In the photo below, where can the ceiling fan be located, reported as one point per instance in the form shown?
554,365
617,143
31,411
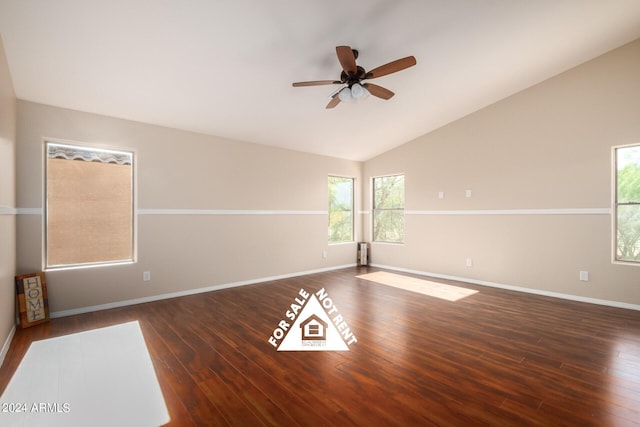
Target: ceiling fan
352,76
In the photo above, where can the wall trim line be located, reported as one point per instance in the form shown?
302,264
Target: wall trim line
569,211
29,211
228,212
117,304
38,211
7,210
570,297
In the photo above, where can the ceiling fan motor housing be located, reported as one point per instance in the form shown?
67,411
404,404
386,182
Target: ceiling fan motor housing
351,79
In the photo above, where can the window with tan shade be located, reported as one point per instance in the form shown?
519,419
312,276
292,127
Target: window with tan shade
89,209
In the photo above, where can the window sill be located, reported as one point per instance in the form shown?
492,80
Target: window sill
627,263
341,243
85,266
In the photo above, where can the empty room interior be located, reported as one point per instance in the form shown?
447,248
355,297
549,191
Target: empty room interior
319,213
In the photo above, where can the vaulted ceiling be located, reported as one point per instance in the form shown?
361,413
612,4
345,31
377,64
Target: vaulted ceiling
225,68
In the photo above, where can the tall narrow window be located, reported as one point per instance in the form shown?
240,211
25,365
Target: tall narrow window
627,203
340,209
89,209
388,209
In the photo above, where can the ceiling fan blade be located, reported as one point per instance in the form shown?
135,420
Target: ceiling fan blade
347,59
335,100
391,67
378,91
316,83
335,93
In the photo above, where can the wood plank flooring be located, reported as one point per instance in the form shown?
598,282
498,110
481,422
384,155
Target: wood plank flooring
496,358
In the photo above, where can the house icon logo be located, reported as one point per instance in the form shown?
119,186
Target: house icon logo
312,323
314,331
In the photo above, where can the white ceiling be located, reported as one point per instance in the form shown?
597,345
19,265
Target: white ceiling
225,68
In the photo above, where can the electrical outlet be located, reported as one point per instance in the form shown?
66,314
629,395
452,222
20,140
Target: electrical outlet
441,195
467,193
324,253
584,276
469,262
146,276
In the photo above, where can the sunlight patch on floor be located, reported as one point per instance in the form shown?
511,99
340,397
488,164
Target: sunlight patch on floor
425,287
101,377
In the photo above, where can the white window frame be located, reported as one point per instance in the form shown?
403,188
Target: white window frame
615,204
373,209
134,222
353,211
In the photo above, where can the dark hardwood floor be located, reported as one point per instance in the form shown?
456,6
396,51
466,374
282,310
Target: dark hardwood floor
495,358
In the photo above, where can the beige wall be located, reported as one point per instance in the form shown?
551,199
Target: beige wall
7,203
548,147
245,212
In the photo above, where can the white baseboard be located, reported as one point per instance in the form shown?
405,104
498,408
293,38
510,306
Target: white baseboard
578,298
7,344
125,303
117,304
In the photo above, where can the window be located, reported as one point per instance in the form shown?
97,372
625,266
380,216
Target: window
627,203
388,209
89,206
340,209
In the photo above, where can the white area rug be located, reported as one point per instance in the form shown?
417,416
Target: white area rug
102,377
425,287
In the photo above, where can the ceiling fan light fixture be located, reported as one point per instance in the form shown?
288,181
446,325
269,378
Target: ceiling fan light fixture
358,91
345,94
